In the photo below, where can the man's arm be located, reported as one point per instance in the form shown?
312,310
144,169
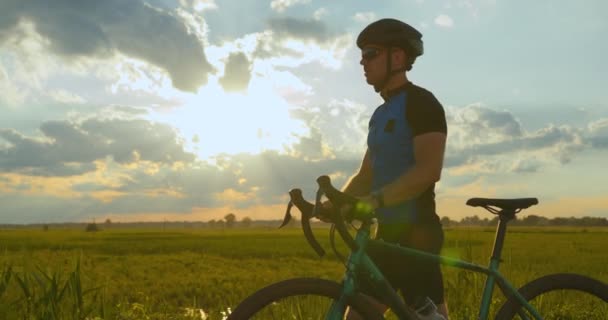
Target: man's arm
360,183
429,149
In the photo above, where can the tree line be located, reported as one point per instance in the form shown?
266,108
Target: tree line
231,220
530,220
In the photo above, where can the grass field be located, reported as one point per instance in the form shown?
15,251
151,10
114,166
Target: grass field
166,274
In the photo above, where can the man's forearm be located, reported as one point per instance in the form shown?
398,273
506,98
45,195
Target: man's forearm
407,186
358,185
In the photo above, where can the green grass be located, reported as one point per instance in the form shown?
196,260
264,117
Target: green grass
156,274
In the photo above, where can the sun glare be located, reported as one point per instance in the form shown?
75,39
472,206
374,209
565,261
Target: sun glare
214,121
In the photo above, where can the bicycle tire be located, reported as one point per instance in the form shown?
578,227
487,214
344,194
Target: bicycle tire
300,287
549,283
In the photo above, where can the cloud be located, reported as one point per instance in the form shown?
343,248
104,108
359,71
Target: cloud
198,5
598,134
133,28
444,21
288,27
466,123
347,138
11,94
312,148
66,97
480,137
71,147
243,180
526,165
364,17
273,174
292,42
320,13
282,5
237,73
106,179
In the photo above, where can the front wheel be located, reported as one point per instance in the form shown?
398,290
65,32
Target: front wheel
301,298
560,296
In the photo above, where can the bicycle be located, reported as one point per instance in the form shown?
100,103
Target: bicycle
270,302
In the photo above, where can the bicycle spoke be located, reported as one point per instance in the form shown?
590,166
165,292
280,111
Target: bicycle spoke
568,304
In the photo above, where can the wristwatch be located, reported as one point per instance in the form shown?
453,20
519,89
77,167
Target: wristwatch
378,197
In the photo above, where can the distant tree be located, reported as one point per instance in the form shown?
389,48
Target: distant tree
246,222
45,227
471,221
220,224
446,222
561,221
92,227
534,220
230,220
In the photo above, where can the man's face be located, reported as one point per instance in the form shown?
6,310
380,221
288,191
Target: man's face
373,60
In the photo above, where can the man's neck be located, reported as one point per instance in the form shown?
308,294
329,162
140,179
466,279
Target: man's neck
395,82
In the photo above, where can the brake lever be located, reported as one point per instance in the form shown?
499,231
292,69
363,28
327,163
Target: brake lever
337,198
287,217
306,209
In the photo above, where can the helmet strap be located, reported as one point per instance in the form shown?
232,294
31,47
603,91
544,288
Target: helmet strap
378,87
389,72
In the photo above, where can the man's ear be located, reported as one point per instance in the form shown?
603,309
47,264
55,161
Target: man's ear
399,56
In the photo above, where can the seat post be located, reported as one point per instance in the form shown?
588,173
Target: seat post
504,216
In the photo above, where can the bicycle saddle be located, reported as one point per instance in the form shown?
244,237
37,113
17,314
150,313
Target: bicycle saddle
505,204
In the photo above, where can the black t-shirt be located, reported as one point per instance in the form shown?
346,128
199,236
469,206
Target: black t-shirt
423,114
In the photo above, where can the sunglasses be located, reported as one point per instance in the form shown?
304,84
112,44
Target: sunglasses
369,53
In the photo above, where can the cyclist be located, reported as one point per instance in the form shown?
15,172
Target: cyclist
403,160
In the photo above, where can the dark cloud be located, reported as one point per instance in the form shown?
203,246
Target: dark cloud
269,47
71,147
476,123
237,73
477,133
560,137
275,174
99,28
598,135
271,42
197,182
310,148
599,142
59,169
269,176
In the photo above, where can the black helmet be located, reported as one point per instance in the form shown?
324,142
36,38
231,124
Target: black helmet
393,33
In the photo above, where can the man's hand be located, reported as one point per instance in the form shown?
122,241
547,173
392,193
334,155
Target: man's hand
325,214
363,207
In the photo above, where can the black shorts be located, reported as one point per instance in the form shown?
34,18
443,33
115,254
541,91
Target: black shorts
413,277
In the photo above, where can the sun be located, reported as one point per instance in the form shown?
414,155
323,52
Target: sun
214,121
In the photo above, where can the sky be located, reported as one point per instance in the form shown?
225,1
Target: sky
193,109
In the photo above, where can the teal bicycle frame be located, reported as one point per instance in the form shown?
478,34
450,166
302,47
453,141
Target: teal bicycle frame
360,261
